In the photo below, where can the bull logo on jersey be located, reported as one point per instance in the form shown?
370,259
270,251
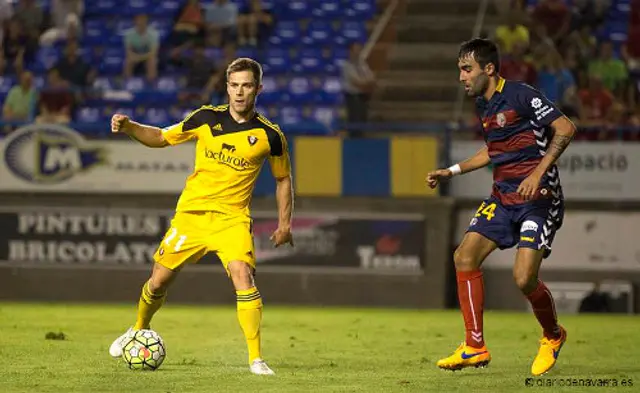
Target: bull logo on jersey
230,148
252,139
501,119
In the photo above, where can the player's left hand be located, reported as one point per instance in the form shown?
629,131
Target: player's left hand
529,186
282,236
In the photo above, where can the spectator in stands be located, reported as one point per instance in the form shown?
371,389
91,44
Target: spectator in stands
555,16
21,99
229,54
6,13
596,301
16,48
31,17
188,28
73,69
222,21
511,32
202,78
613,72
595,102
252,22
56,100
589,13
65,16
142,43
358,82
517,67
557,83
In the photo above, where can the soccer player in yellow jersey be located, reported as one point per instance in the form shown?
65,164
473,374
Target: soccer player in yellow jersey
212,214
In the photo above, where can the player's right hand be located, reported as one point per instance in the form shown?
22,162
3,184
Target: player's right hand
434,177
118,123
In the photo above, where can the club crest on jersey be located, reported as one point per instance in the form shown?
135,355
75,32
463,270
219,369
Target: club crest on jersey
252,139
501,119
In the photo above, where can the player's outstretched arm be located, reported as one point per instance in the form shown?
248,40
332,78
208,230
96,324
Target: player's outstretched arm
147,135
477,161
564,131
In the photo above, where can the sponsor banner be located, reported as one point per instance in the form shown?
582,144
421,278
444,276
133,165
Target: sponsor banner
588,171
53,158
111,237
601,241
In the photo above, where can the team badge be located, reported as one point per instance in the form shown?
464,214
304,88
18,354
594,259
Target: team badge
252,140
501,119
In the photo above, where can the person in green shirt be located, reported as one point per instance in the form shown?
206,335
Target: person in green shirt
613,72
19,103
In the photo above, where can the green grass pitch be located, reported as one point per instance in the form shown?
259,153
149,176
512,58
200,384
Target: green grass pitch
311,350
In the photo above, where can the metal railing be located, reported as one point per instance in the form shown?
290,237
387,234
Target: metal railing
379,28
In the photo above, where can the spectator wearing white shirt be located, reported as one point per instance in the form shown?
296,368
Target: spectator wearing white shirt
66,16
221,19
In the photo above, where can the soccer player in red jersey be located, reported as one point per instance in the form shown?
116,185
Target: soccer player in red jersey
525,134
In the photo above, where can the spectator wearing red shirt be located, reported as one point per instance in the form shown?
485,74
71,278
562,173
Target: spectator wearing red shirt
516,67
56,100
555,16
595,102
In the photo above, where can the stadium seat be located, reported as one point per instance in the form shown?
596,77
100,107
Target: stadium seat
104,7
90,114
325,114
167,8
290,115
286,34
295,9
352,31
95,31
6,83
310,60
136,7
276,61
328,9
319,32
300,90
157,116
103,83
112,61
359,9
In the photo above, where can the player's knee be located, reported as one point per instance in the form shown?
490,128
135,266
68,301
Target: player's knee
241,274
525,281
464,261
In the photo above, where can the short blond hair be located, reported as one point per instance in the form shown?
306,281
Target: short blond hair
246,64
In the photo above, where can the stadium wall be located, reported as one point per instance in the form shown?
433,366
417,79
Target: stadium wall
341,279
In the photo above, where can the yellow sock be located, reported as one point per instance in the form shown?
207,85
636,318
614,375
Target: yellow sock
250,316
147,306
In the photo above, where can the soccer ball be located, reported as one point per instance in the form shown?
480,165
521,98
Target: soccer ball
144,351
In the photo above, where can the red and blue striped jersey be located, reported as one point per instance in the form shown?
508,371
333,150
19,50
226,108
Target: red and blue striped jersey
516,128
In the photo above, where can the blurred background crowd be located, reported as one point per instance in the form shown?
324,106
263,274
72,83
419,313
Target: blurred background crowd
79,61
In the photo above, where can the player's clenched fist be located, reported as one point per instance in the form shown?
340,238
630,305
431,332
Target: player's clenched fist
119,122
434,177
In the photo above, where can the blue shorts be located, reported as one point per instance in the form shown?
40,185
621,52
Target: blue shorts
531,225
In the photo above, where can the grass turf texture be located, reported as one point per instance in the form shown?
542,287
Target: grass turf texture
311,350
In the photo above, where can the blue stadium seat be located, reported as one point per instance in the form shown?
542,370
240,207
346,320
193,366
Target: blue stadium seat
276,61
285,34
290,115
167,8
125,110
6,83
104,7
295,9
300,90
271,92
319,32
330,91
328,9
157,116
103,83
325,114
135,84
90,114
311,60
135,7
163,27
249,52
95,31
168,83
360,9
352,31
45,58
112,61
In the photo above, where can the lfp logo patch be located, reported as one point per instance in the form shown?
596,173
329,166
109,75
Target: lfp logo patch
49,154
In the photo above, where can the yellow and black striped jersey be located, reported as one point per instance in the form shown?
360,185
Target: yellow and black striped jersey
229,157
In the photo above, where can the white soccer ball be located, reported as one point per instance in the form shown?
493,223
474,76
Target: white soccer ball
144,351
